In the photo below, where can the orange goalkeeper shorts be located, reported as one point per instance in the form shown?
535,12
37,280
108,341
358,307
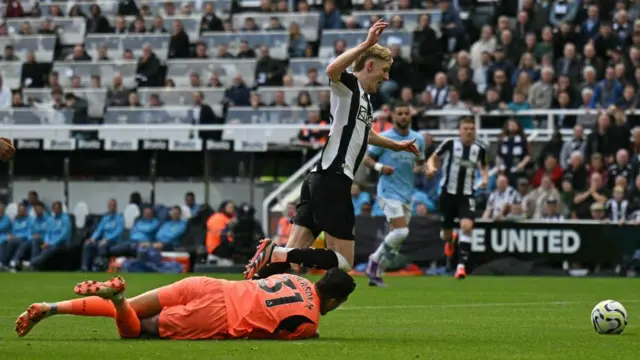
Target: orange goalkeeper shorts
193,309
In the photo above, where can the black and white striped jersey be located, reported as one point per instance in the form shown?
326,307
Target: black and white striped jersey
552,218
351,118
499,199
617,210
459,164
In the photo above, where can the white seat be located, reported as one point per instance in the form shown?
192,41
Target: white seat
186,212
81,211
131,213
12,210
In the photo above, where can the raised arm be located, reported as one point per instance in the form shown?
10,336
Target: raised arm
346,59
384,142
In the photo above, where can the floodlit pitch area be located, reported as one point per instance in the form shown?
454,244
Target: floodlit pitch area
424,317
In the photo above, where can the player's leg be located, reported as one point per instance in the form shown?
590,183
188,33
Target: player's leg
448,213
467,214
22,252
201,313
398,216
89,253
332,212
126,318
89,306
303,234
3,255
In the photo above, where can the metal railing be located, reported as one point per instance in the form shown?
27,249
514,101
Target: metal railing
241,130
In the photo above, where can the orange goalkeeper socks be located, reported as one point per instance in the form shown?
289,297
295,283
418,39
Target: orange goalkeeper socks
89,306
126,319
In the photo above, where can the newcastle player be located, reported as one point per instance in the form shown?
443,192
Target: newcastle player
460,158
325,197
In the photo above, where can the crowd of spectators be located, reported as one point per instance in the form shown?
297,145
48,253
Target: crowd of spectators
571,54
482,56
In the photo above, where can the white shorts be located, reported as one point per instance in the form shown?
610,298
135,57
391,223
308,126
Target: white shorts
394,209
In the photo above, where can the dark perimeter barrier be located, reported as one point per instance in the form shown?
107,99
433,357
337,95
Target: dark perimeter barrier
583,242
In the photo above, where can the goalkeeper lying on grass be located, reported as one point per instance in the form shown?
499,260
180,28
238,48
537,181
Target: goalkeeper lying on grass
285,307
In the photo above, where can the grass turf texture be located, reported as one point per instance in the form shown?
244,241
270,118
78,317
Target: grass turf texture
426,318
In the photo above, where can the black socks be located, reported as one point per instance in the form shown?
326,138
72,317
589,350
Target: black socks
464,249
324,259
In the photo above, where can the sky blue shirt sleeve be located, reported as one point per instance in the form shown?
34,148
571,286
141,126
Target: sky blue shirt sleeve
375,151
97,233
59,235
118,229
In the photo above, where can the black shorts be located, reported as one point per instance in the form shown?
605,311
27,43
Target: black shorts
456,206
325,205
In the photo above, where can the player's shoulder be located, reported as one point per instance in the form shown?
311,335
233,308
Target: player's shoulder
347,79
481,144
416,135
447,142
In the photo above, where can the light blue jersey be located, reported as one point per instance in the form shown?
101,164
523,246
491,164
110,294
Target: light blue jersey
399,185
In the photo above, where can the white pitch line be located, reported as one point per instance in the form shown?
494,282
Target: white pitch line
479,305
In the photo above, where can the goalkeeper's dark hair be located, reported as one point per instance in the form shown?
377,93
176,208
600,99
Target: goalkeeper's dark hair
335,284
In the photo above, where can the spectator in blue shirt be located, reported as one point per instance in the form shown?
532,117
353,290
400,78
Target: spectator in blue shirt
5,230
37,231
19,235
56,240
359,198
376,210
607,92
108,233
190,201
142,234
420,197
170,233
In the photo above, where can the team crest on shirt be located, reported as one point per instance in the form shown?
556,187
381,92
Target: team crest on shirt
364,115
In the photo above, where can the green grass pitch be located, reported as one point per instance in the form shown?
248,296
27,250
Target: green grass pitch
414,318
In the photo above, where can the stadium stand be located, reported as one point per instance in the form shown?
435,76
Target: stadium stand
530,66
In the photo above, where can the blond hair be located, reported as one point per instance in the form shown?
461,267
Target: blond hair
377,52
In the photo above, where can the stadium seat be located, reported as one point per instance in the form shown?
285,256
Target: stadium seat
81,211
12,210
186,212
131,213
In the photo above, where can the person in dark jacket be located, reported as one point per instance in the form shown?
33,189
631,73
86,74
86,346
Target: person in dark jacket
179,44
33,73
128,8
238,94
205,115
269,71
426,51
80,109
210,21
97,23
148,68
601,139
246,231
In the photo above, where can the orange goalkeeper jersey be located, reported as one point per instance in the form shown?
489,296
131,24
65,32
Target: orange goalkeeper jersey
279,307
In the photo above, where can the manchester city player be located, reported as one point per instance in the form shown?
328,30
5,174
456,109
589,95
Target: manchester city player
395,188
